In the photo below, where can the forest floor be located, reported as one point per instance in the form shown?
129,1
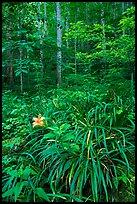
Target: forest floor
71,117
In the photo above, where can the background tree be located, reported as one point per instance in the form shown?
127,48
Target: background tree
20,50
123,9
40,41
9,51
67,21
40,37
45,19
59,43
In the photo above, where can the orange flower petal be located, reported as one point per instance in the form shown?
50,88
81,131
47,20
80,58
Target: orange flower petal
38,121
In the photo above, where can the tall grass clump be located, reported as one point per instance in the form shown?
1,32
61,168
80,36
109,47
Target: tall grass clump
82,153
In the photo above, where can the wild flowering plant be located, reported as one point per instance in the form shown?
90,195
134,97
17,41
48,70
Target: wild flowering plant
38,121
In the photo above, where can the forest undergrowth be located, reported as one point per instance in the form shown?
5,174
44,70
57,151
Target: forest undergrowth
68,102
81,148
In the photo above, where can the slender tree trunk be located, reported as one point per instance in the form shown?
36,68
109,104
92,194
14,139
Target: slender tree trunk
87,11
11,58
40,38
45,19
103,31
9,69
115,6
21,74
8,50
75,42
20,50
123,9
59,43
103,25
27,56
67,22
131,4
127,5
75,47
95,15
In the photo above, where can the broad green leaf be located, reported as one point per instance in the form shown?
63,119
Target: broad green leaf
25,71
27,171
9,192
49,135
119,111
13,173
64,127
18,189
18,73
68,136
42,194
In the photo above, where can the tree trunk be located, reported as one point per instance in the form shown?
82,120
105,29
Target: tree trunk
11,58
20,50
104,37
40,38
127,5
95,5
115,6
131,4
9,68
123,9
7,72
27,56
59,43
45,19
75,41
87,11
21,74
103,25
75,48
67,22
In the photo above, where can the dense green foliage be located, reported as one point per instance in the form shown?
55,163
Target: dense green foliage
87,140
84,151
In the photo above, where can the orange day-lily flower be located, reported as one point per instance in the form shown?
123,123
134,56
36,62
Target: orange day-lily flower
38,121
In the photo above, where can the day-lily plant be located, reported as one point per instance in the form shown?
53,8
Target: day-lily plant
38,121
